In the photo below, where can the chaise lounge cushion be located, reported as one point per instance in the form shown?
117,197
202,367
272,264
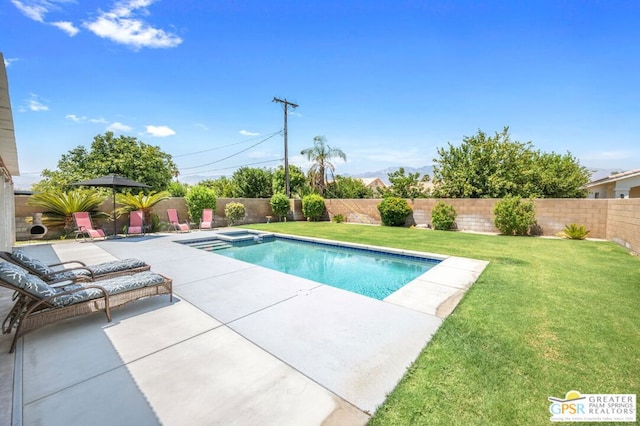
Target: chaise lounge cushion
112,286
100,269
22,279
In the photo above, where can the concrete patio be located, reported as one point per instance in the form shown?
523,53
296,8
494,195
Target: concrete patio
239,345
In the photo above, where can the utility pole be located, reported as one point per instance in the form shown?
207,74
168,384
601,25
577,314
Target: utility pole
286,105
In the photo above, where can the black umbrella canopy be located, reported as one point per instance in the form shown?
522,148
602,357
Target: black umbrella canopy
112,181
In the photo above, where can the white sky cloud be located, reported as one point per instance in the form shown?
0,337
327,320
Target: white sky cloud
248,133
9,61
122,25
160,131
35,10
75,118
67,27
35,104
118,127
79,119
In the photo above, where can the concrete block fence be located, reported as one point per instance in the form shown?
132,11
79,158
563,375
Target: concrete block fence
617,220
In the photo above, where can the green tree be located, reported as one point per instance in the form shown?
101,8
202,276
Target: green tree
406,186
124,155
252,182
560,176
495,166
223,187
321,155
348,187
297,180
177,189
198,198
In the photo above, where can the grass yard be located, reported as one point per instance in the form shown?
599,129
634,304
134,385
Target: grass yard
546,316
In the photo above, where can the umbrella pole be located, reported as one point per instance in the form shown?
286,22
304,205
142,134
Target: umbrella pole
115,226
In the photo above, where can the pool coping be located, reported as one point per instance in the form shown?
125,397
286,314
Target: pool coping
344,352
436,292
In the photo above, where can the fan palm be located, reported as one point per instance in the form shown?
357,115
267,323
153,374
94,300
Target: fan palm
321,155
141,201
60,206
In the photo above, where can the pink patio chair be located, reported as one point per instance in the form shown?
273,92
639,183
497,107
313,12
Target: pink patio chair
84,227
207,219
175,223
136,223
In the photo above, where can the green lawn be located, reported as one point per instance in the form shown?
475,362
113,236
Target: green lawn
546,316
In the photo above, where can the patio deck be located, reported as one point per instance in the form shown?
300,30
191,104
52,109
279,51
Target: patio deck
240,344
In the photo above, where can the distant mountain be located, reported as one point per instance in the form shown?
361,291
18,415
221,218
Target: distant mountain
384,173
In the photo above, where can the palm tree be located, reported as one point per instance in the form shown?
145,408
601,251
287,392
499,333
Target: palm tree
141,201
60,206
321,154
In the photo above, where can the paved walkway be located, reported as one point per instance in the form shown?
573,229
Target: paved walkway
240,345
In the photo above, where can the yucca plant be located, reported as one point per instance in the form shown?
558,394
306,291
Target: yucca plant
575,232
141,201
59,207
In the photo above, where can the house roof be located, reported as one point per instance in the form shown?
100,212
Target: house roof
369,181
614,178
8,150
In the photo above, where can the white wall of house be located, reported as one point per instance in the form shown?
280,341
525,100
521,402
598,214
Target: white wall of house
7,215
623,188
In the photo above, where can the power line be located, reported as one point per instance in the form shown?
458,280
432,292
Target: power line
221,147
232,155
233,167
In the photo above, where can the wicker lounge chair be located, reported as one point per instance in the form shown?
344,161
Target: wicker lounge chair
175,222
80,272
207,219
136,223
84,227
40,304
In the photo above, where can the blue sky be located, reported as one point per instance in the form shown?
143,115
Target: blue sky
385,81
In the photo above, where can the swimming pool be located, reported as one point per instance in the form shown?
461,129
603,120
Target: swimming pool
370,272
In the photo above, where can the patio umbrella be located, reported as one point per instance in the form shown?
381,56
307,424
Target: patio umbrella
112,181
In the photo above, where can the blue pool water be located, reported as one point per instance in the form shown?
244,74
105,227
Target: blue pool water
370,273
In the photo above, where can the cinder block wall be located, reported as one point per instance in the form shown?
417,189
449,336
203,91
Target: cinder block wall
623,223
613,219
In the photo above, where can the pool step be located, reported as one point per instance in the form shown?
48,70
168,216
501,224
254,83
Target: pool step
212,245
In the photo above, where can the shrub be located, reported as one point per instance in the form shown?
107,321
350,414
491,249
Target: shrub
313,207
234,212
177,189
280,204
443,216
339,218
198,198
394,211
514,216
575,232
